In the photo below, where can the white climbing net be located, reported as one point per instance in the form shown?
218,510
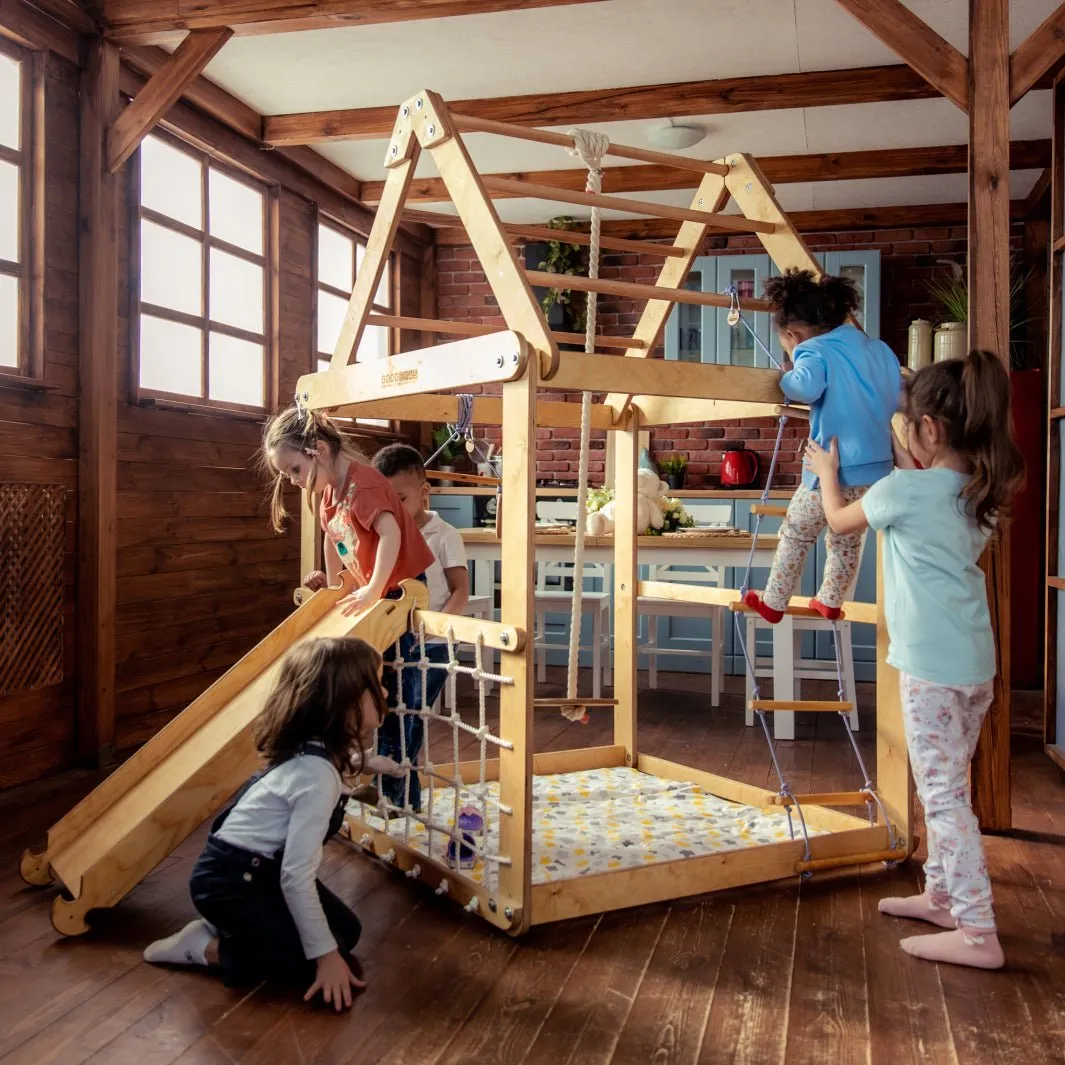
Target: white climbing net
431,817
589,147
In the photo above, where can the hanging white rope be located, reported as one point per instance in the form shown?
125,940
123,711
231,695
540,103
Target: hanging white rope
589,147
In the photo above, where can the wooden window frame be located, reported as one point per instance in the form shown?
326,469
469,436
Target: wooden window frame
29,271
268,260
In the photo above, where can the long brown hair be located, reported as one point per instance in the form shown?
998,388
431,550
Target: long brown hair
318,696
970,398
301,430
800,298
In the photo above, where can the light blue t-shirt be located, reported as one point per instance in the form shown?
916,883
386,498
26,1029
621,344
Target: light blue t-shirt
852,385
935,598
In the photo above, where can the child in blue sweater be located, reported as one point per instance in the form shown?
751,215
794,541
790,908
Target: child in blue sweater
851,384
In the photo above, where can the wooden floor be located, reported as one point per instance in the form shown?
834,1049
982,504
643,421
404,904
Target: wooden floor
785,973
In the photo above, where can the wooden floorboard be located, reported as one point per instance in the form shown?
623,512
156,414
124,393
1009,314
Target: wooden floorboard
782,974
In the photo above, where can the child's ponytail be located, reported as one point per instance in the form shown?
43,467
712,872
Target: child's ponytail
970,398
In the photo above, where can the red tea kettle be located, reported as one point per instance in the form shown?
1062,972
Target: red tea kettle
739,469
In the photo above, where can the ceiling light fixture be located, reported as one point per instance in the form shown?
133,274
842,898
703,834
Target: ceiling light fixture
673,138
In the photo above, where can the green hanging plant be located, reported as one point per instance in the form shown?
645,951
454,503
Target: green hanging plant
564,259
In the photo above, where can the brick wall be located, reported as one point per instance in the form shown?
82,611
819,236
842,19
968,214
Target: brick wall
908,261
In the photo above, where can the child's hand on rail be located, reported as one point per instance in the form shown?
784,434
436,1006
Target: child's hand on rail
823,464
359,600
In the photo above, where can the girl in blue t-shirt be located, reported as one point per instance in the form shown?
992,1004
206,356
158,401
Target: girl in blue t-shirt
851,383
936,521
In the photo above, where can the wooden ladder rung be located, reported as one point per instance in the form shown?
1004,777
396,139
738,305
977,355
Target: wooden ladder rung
769,511
577,236
590,704
799,607
734,222
823,706
634,290
825,798
844,860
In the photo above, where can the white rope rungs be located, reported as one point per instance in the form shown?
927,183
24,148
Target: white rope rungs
479,791
473,905
442,887
414,872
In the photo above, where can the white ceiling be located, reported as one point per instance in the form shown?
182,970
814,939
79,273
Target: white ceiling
630,42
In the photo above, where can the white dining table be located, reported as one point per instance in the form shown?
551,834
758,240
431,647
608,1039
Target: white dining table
712,548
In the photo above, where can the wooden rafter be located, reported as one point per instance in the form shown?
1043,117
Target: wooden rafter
779,169
913,40
1043,50
152,22
821,88
163,90
1038,195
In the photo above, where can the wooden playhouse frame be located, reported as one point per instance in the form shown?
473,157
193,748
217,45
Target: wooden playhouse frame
524,361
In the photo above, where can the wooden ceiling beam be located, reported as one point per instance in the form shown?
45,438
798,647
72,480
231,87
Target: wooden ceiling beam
1038,55
829,221
821,88
164,88
161,21
916,43
779,169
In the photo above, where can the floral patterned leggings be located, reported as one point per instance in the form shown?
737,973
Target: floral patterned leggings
798,533
942,727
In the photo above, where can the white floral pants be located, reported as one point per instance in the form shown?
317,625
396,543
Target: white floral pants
942,727
798,533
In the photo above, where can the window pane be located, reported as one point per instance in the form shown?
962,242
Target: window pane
374,344
857,274
9,320
9,212
236,212
10,102
336,259
235,371
690,324
331,311
236,292
383,296
170,357
171,269
171,182
741,346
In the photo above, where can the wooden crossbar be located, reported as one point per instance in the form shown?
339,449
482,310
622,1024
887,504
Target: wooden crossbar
668,410
578,236
825,798
474,329
463,478
818,706
844,860
799,607
636,291
467,630
552,701
769,511
737,223
469,124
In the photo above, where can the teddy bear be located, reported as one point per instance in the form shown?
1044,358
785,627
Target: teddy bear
650,500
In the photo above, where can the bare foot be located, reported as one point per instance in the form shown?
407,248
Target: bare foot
979,949
919,908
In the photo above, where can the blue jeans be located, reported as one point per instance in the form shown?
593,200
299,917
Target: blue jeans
388,735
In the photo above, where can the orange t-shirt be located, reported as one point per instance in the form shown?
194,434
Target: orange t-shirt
348,522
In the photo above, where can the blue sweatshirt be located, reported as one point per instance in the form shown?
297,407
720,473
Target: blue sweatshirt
851,383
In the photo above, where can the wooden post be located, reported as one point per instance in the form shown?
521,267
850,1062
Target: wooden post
625,445
989,327
98,410
518,553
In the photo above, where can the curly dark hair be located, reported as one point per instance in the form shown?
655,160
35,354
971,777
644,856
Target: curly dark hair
801,298
318,696
399,458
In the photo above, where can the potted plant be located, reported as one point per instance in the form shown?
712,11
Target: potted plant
445,461
673,469
563,308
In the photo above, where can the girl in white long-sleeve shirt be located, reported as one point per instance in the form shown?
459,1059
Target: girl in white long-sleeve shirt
265,915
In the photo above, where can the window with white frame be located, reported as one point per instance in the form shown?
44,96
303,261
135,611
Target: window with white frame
21,219
340,258
200,329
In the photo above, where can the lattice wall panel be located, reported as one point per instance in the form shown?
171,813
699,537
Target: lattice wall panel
31,586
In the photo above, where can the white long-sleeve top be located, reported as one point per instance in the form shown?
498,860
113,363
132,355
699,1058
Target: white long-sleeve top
290,808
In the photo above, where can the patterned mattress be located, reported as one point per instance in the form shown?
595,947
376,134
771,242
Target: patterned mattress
597,821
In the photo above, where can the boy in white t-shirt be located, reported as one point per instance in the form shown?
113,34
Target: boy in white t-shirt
448,578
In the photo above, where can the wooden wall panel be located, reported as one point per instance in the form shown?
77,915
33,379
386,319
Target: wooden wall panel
38,436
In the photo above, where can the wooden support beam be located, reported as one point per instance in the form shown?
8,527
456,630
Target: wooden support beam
912,40
163,90
635,291
822,88
29,26
668,410
98,408
778,170
135,21
989,328
1038,199
1038,55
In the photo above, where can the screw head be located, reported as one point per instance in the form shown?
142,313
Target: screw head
499,361
492,905
306,397
504,638
405,110
393,149
508,913
700,201
430,130
419,103
514,358
747,187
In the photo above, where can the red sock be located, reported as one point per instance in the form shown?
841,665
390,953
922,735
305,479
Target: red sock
754,601
830,613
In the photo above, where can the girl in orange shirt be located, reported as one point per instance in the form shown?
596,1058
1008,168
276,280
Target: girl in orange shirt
369,532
